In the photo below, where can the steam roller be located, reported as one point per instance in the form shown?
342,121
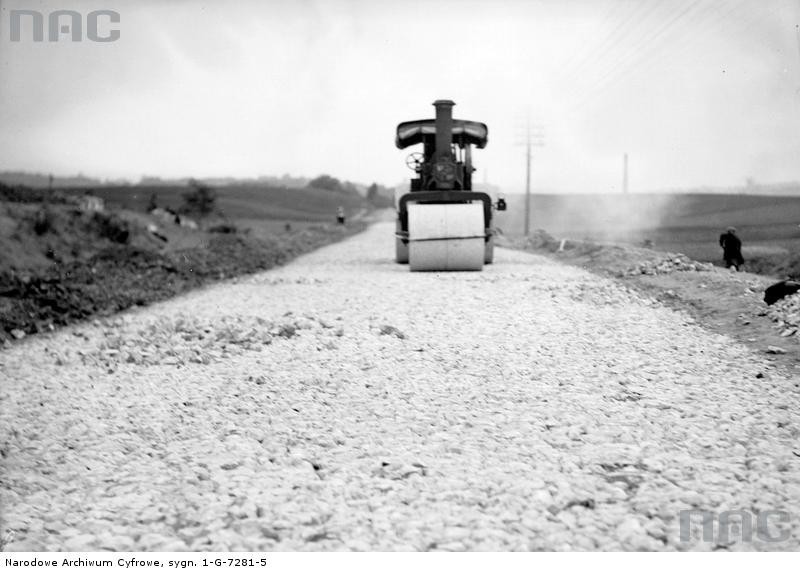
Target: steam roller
442,224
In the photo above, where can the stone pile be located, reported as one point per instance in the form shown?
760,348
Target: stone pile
185,339
786,313
667,265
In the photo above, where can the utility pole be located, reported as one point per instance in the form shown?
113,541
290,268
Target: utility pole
797,33
797,29
527,178
625,174
532,139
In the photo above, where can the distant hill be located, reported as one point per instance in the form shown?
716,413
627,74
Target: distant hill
688,223
266,197
617,214
791,188
284,181
40,181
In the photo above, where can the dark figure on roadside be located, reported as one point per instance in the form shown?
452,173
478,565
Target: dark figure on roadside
340,215
731,248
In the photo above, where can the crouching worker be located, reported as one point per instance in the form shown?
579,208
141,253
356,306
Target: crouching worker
340,215
731,248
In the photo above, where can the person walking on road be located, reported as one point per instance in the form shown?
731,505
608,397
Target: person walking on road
731,248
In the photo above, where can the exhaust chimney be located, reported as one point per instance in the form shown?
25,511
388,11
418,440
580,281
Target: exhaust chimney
444,128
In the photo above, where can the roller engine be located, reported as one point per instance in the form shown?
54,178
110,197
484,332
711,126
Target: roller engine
442,224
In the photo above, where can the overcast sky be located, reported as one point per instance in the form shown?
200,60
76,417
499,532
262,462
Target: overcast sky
697,92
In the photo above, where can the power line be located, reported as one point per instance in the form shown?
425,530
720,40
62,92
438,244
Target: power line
608,41
609,78
606,69
644,45
581,55
711,23
623,31
641,42
716,21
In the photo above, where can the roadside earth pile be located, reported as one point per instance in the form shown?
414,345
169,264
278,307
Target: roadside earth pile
122,276
539,239
615,258
667,265
786,313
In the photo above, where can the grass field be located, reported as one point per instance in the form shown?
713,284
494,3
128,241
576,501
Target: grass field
241,202
687,223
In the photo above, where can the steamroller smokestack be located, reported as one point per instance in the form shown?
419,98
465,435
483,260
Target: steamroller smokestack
444,127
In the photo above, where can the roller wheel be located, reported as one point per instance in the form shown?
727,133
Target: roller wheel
400,249
446,236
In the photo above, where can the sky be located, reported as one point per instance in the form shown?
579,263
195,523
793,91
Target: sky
696,92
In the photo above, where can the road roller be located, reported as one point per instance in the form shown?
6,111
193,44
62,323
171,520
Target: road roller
442,224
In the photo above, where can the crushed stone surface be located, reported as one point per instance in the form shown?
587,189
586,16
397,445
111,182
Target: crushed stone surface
786,314
344,403
668,264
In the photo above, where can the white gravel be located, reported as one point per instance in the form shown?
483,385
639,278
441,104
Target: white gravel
786,313
342,402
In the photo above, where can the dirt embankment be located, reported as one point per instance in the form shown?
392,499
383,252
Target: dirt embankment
61,263
723,301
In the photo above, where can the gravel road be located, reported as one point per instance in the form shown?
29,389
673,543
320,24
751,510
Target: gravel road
342,402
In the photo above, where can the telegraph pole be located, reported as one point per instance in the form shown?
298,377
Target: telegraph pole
797,29
625,174
527,178
532,139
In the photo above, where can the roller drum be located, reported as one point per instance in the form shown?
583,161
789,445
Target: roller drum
446,236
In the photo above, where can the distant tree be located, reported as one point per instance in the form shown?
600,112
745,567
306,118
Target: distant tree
372,192
379,196
326,182
152,203
350,188
199,199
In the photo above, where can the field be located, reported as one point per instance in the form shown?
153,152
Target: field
686,223
240,202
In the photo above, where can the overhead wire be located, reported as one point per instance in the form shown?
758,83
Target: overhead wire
574,61
634,19
644,51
